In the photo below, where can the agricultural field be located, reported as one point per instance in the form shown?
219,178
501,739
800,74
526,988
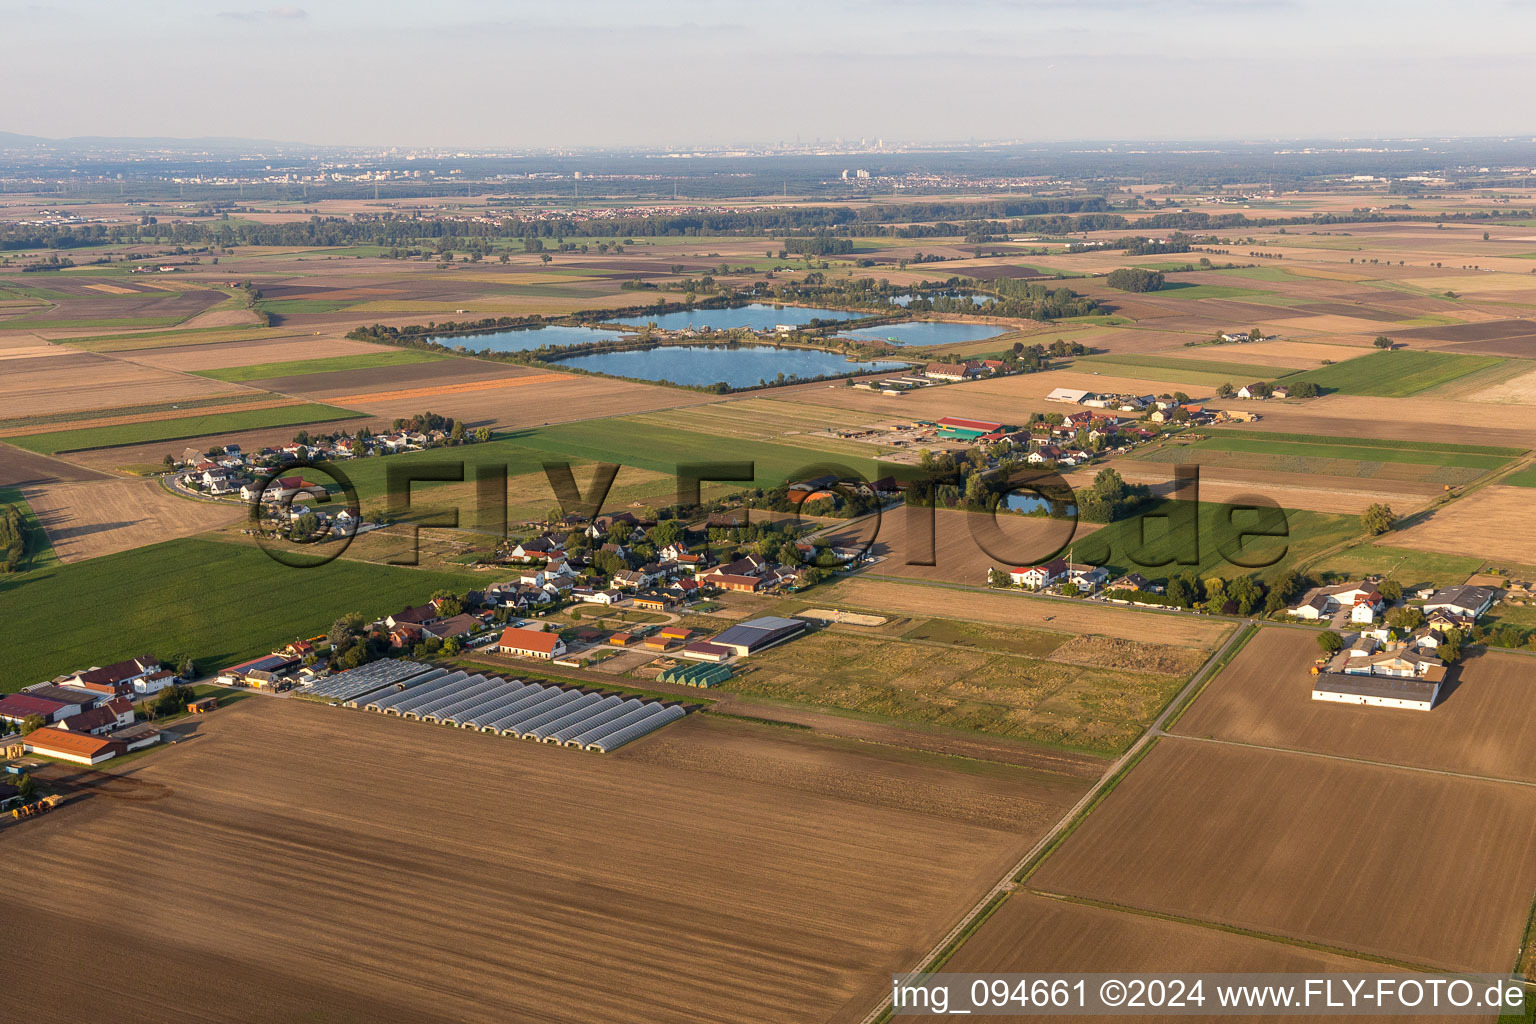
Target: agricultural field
1495,521
1395,374
94,518
545,839
919,600
1264,697
1229,835
324,364
1031,933
208,599
1052,702
175,428
964,545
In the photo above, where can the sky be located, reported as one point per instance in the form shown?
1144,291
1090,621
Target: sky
680,73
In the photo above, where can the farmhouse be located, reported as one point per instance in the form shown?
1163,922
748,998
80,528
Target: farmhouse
122,676
1465,601
530,643
758,634
1326,602
951,371
1039,576
114,714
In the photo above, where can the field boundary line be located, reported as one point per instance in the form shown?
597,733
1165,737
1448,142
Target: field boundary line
1068,822
1446,772
1232,929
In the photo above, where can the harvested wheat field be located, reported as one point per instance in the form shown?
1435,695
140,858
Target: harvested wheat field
896,598
84,520
1497,521
1392,860
480,873
81,382
1482,725
1034,934
263,349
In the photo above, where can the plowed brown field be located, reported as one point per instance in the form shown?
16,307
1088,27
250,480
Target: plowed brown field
1390,861
378,869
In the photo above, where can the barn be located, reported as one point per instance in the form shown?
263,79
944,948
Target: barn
70,746
758,634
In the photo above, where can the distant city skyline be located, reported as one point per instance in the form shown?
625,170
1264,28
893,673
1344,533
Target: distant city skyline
477,74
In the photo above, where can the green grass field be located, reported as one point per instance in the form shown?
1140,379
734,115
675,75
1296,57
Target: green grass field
39,553
331,364
180,428
1395,374
1524,478
1245,372
633,442
220,603
1410,568
1357,453
1150,545
1367,442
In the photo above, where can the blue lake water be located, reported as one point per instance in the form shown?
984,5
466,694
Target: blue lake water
740,366
926,332
760,316
523,338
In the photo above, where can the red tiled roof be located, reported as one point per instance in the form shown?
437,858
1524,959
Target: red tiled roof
529,640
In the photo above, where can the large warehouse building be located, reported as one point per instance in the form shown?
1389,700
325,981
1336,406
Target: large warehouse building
759,634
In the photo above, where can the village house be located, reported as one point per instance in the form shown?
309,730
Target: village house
530,643
1038,577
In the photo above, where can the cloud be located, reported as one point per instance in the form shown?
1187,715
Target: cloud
270,14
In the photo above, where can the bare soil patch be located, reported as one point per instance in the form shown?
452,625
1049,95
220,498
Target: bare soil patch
1031,933
1390,860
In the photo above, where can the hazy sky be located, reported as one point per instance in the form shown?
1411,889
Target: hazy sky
675,72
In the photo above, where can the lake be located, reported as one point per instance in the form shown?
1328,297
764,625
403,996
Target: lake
738,366
926,332
977,299
521,339
760,316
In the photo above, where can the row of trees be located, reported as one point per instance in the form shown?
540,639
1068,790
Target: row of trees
13,538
